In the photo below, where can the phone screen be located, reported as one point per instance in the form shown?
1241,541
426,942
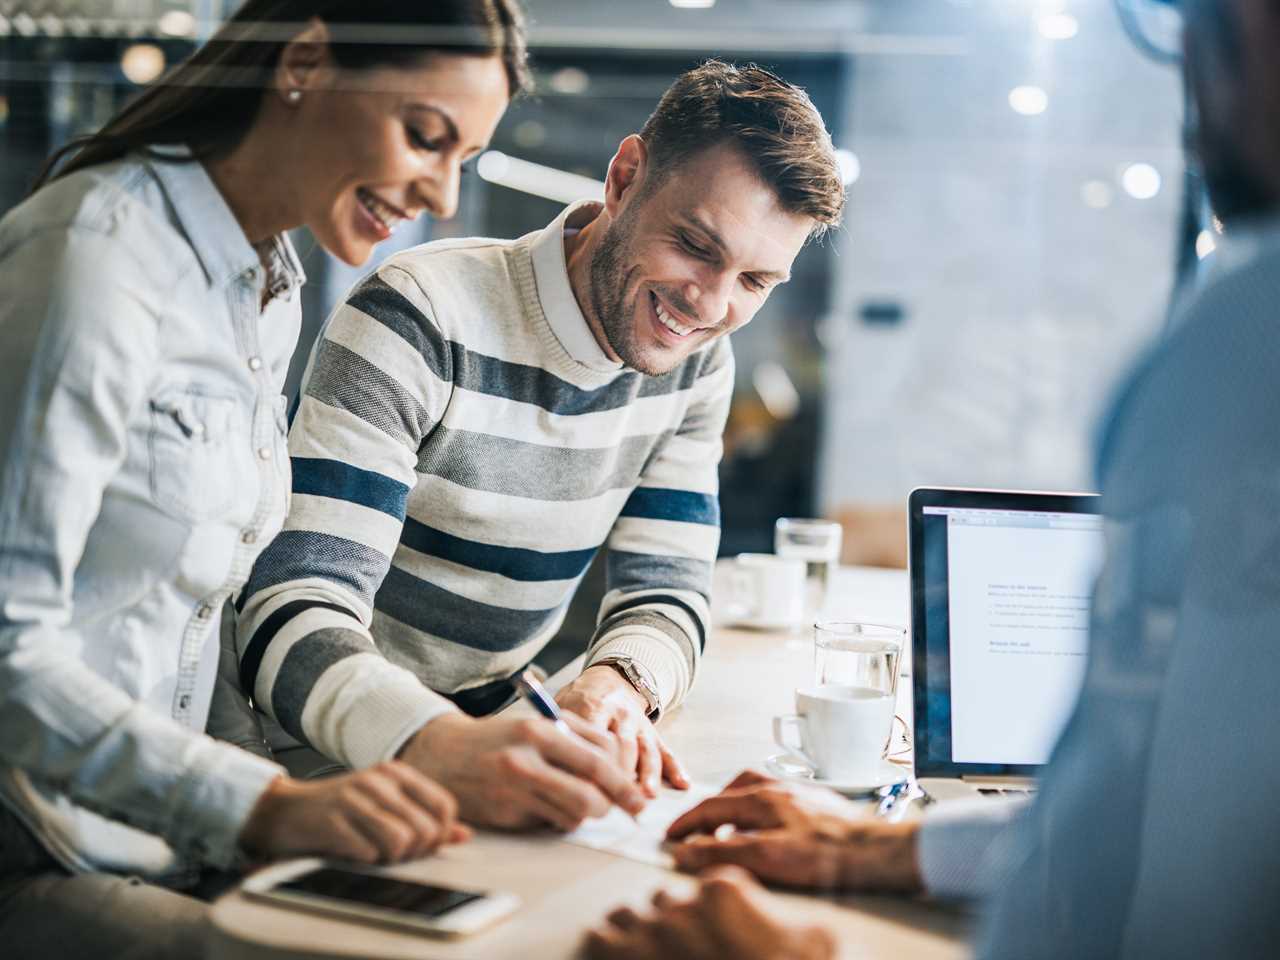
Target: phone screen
384,892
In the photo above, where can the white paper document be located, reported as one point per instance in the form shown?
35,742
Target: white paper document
642,838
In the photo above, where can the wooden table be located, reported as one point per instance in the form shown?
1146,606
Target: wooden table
723,727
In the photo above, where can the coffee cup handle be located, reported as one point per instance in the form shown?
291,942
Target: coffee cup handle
788,722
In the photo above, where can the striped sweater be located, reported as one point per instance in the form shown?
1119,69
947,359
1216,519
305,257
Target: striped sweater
461,449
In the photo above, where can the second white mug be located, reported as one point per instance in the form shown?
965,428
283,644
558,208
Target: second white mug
765,591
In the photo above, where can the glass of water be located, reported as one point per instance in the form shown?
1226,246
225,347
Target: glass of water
817,543
853,654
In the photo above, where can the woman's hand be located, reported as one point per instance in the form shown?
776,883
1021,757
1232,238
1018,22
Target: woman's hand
383,814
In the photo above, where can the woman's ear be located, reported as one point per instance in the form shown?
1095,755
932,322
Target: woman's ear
297,71
627,170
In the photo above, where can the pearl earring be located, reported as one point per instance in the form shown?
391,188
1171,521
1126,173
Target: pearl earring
293,96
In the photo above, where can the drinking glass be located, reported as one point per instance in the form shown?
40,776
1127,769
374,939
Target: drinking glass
858,654
817,543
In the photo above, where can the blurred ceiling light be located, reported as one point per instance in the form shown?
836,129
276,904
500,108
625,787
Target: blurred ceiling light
4,25
25,24
1028,100
51,26
529,134
1096,194
1058,26
1205,244
571,80
1140,181
850,166
693,4
541,181
142,62
177,23
778,394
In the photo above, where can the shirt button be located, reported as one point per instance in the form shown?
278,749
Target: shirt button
264,453
204,611
184,701
249,536
255,363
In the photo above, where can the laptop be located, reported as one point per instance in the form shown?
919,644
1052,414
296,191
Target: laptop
1001,583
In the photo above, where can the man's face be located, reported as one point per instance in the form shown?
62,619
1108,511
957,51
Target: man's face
691,259
1235,81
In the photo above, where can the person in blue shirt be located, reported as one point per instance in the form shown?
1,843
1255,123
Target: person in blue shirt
1154,833
149,307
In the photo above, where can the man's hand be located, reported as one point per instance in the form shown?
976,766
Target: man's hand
381,815
797,836
603,697
729,916
518,773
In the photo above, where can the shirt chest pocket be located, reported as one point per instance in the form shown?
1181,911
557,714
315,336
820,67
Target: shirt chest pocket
192,456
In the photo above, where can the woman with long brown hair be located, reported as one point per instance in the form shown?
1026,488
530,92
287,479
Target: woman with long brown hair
148,310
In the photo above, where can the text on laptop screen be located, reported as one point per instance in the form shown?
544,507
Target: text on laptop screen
1015,594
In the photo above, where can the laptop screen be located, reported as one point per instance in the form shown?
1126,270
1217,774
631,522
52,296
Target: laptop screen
1001,587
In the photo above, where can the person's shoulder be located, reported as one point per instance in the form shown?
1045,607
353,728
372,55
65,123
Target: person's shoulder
119,202
451,259
449,279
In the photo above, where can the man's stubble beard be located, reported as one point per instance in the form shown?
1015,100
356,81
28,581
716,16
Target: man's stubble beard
609,296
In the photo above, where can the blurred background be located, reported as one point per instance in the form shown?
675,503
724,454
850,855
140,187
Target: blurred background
1019,213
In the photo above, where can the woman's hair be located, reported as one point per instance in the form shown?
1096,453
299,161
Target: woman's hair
209,101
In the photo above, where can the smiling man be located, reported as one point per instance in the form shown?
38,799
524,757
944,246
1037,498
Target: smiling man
481,417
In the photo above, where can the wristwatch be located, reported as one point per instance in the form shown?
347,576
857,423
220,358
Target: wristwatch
638,677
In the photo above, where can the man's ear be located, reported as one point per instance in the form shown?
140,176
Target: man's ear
627,171
297,71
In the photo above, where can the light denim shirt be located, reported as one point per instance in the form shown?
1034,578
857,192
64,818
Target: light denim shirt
142,467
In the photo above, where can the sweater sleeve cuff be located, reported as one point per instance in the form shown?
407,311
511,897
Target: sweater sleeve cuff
363,709
962,845
667,666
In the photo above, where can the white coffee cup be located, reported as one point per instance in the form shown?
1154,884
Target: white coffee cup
765,590
843,731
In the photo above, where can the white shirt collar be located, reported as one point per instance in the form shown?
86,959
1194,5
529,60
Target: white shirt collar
551,274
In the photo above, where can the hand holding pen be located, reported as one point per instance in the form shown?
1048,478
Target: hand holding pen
537,697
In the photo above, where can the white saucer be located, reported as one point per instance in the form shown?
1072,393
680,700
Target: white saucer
786,766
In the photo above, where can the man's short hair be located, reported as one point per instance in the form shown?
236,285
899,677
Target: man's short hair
773,123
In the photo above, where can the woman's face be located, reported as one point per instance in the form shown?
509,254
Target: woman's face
385,144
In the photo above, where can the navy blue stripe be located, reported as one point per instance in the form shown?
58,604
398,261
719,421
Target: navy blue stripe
389,307
632,572
516,563
656,503
266,632
296,554
342,481
431,609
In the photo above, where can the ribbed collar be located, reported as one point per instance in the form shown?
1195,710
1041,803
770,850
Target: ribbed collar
559,305
215,234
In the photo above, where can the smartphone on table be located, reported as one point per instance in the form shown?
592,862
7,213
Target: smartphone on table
365,893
